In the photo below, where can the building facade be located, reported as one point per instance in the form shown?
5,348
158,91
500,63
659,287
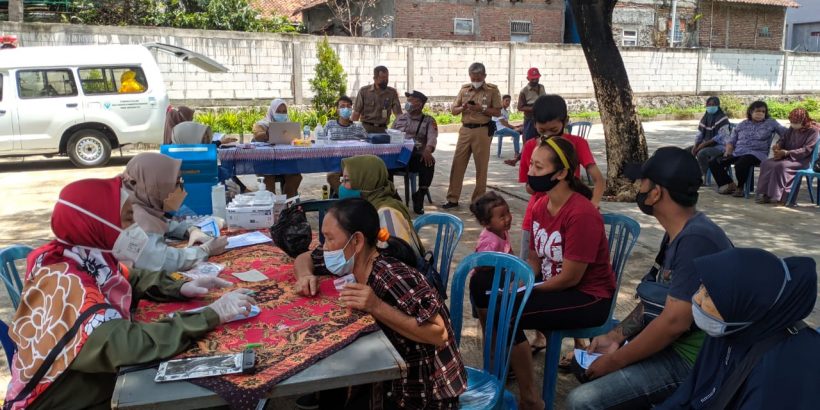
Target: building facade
803,27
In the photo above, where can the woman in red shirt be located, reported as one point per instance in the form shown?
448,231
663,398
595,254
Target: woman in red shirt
568,252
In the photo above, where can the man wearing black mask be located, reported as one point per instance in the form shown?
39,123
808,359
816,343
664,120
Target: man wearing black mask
663,342
375,102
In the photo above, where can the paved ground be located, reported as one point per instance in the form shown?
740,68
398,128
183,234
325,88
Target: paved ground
31,187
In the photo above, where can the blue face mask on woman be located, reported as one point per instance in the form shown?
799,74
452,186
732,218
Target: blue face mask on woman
345,113
336,262
349,193
711,109
280,117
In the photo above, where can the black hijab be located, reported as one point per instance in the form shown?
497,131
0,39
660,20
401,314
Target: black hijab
710,124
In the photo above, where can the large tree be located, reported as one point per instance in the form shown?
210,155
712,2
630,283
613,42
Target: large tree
623,132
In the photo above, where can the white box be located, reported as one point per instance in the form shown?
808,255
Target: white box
250,217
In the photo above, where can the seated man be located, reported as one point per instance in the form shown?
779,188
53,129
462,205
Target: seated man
503,126
663,343
342,129
424,130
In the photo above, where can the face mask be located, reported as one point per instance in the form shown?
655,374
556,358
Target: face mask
383,85
345,112
174,201
477,84
758,116
543,183
711,110
796,126
130,243
409,107
280,117
640,199
348,193
534,83
336,262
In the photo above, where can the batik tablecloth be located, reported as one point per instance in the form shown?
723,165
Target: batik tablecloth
287,159
294,331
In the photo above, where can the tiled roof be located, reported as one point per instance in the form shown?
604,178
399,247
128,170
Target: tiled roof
287,8
782,3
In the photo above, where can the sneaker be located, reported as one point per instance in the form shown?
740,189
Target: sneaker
449,205
738,193
308,402
418,201
727,189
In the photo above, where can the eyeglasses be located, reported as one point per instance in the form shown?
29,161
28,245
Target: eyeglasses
180,183
343,180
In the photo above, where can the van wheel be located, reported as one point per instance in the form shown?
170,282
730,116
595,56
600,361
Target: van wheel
89,148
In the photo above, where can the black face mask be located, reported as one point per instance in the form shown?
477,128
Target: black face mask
543,183
640,199
383,85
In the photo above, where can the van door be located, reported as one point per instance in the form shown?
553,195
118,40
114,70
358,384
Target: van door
6,115
48,104
119,96
199,60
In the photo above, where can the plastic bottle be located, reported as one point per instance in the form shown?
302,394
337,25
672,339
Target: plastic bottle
218,201
263,196
325,192
306,132
319,133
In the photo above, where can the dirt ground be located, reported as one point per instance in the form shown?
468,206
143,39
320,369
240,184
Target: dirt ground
30,188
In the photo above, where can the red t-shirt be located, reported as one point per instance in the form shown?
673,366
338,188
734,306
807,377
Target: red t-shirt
575,233
581,146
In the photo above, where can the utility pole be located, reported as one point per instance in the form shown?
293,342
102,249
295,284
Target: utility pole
674,23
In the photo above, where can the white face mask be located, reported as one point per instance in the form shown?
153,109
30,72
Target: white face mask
130,243
477,84
797,125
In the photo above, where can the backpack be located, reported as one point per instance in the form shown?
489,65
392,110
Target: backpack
291,232
427,267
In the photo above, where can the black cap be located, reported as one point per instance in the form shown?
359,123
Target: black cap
673,168
416,94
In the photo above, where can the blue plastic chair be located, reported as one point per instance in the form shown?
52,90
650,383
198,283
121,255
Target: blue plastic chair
8,345
485,386
8,271
321,207
501,138
809,174
623,234
581,129
448,234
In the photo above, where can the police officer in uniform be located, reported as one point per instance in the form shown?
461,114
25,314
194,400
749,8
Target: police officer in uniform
376,101
424,130
477,102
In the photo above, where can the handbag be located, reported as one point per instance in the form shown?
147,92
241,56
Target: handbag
291,232
428,269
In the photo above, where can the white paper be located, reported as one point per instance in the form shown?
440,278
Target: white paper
521,289
341,282
247,239
208,226
252,275
584,358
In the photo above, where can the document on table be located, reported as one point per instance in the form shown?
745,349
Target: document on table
521,289
247,239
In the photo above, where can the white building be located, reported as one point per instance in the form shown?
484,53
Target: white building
803,26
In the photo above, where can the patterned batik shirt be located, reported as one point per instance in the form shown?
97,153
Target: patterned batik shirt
435,375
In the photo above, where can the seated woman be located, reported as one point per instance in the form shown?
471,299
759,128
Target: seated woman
747,147
77,283
130,84
751,305
409,311
568,252
708,144
278,112
155,188
791,154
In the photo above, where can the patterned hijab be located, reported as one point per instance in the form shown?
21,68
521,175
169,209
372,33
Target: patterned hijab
369,175
73,281
800,116
149,178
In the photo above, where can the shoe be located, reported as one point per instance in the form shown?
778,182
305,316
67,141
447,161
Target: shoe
308,402
727,189
418,201
449,205
763,199
738,193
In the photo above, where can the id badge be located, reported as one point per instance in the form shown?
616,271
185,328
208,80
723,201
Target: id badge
384,113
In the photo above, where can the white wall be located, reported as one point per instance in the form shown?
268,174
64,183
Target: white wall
262,66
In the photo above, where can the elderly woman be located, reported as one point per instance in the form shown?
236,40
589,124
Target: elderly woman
747,148
708,143
156,189
73,328
758,353
409,311
277,112
791,153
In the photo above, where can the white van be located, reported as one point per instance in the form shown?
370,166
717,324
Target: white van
83,101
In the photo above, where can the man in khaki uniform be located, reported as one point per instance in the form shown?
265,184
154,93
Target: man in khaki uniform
376,102
424,130
477,102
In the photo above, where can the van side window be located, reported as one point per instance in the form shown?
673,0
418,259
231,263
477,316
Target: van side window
112,80
46,84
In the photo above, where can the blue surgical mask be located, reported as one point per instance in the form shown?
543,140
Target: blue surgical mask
409,107
280,117
348,193
336,262
345,113
711,110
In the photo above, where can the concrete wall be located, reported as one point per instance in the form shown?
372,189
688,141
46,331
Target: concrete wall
266,66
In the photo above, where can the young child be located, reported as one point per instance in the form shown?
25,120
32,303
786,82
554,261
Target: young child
493,213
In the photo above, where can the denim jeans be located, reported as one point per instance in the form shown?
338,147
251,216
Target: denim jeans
639,386
509,132
706,155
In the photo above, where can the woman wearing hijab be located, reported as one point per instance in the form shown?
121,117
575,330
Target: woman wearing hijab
175,116
73,328
156,189
712,131
758,354
277,112
130,84
791,153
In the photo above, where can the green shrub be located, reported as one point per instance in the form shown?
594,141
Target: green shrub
330,82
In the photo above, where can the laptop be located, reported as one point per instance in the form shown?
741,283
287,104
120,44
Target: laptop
283,133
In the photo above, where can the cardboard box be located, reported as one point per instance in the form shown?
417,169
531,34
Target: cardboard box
250,217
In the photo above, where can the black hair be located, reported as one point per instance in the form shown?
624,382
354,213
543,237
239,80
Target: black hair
550,107
345,99
505,96
358,215
483,207
682,199
380,69
575,184
755,105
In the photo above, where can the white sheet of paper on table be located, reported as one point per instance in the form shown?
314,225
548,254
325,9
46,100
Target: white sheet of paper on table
521,289
247,239
584,358
254,312
252,275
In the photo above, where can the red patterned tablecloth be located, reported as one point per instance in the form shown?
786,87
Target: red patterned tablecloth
294,331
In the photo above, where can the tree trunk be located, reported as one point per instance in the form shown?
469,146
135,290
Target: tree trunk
623,132
16,11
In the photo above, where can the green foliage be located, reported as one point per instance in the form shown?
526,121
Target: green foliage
240,121
330,82
781,110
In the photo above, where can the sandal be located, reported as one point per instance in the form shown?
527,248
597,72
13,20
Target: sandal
565,364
